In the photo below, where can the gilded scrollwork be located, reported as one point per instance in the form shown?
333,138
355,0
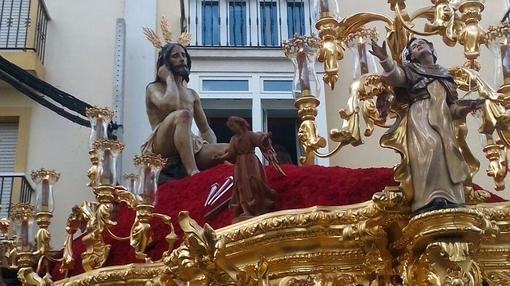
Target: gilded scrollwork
257,275
80,215
97,250
442,247
28,277
290,220
501,277
446,263
495,119
201,253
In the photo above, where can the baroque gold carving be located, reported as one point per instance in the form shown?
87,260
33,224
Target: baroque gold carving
97,250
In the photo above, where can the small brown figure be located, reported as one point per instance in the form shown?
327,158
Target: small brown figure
250,196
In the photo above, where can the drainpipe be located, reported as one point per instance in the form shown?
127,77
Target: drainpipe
183,18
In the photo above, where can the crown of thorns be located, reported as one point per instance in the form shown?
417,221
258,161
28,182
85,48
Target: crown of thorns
158,42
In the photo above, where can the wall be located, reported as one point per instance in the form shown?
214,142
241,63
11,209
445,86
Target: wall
373,154
79,60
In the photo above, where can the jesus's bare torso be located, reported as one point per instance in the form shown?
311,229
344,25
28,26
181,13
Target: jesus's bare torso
160,103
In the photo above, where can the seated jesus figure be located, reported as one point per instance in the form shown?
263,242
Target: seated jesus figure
172,107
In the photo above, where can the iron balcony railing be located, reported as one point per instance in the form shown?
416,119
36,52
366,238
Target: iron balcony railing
247,23
23,25
14,188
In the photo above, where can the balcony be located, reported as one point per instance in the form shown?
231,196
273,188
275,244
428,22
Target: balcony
248,23
14,188
23,26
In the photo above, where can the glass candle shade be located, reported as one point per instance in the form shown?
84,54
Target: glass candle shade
149,165
45,179
326,8
22,216
108,152
131,182
303,51
499,44
359,44
99,119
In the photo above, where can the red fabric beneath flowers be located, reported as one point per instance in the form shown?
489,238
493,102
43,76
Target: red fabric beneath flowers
303,186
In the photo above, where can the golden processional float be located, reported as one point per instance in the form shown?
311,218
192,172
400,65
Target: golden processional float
372,243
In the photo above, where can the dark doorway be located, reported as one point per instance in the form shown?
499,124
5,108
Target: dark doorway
218,121
284,137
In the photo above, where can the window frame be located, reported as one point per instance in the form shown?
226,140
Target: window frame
269,78
226,78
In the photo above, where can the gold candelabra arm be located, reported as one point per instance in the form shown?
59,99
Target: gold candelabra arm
367,89
455,24
92,171
43,235
97,250
77,220
333,34
140,235
308,133
331,51
124,196
498,163
471,35
171,237
28,277
26,274
495,119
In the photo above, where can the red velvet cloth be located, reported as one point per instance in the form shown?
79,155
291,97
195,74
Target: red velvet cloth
303,187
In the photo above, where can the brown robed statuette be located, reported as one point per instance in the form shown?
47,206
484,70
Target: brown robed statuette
251,196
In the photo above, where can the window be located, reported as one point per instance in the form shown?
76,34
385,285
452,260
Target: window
268,24
237,23
14,23
210,23
225,85
295,18
240,23
277,85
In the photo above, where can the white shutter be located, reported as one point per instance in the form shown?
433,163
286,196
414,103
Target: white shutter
15,19
8,138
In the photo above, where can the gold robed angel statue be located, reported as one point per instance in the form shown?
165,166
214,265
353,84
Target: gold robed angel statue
433,165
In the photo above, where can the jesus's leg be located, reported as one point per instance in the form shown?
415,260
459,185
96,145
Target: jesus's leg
174,138
205,158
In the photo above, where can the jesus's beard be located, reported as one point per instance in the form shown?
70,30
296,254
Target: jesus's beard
181,71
